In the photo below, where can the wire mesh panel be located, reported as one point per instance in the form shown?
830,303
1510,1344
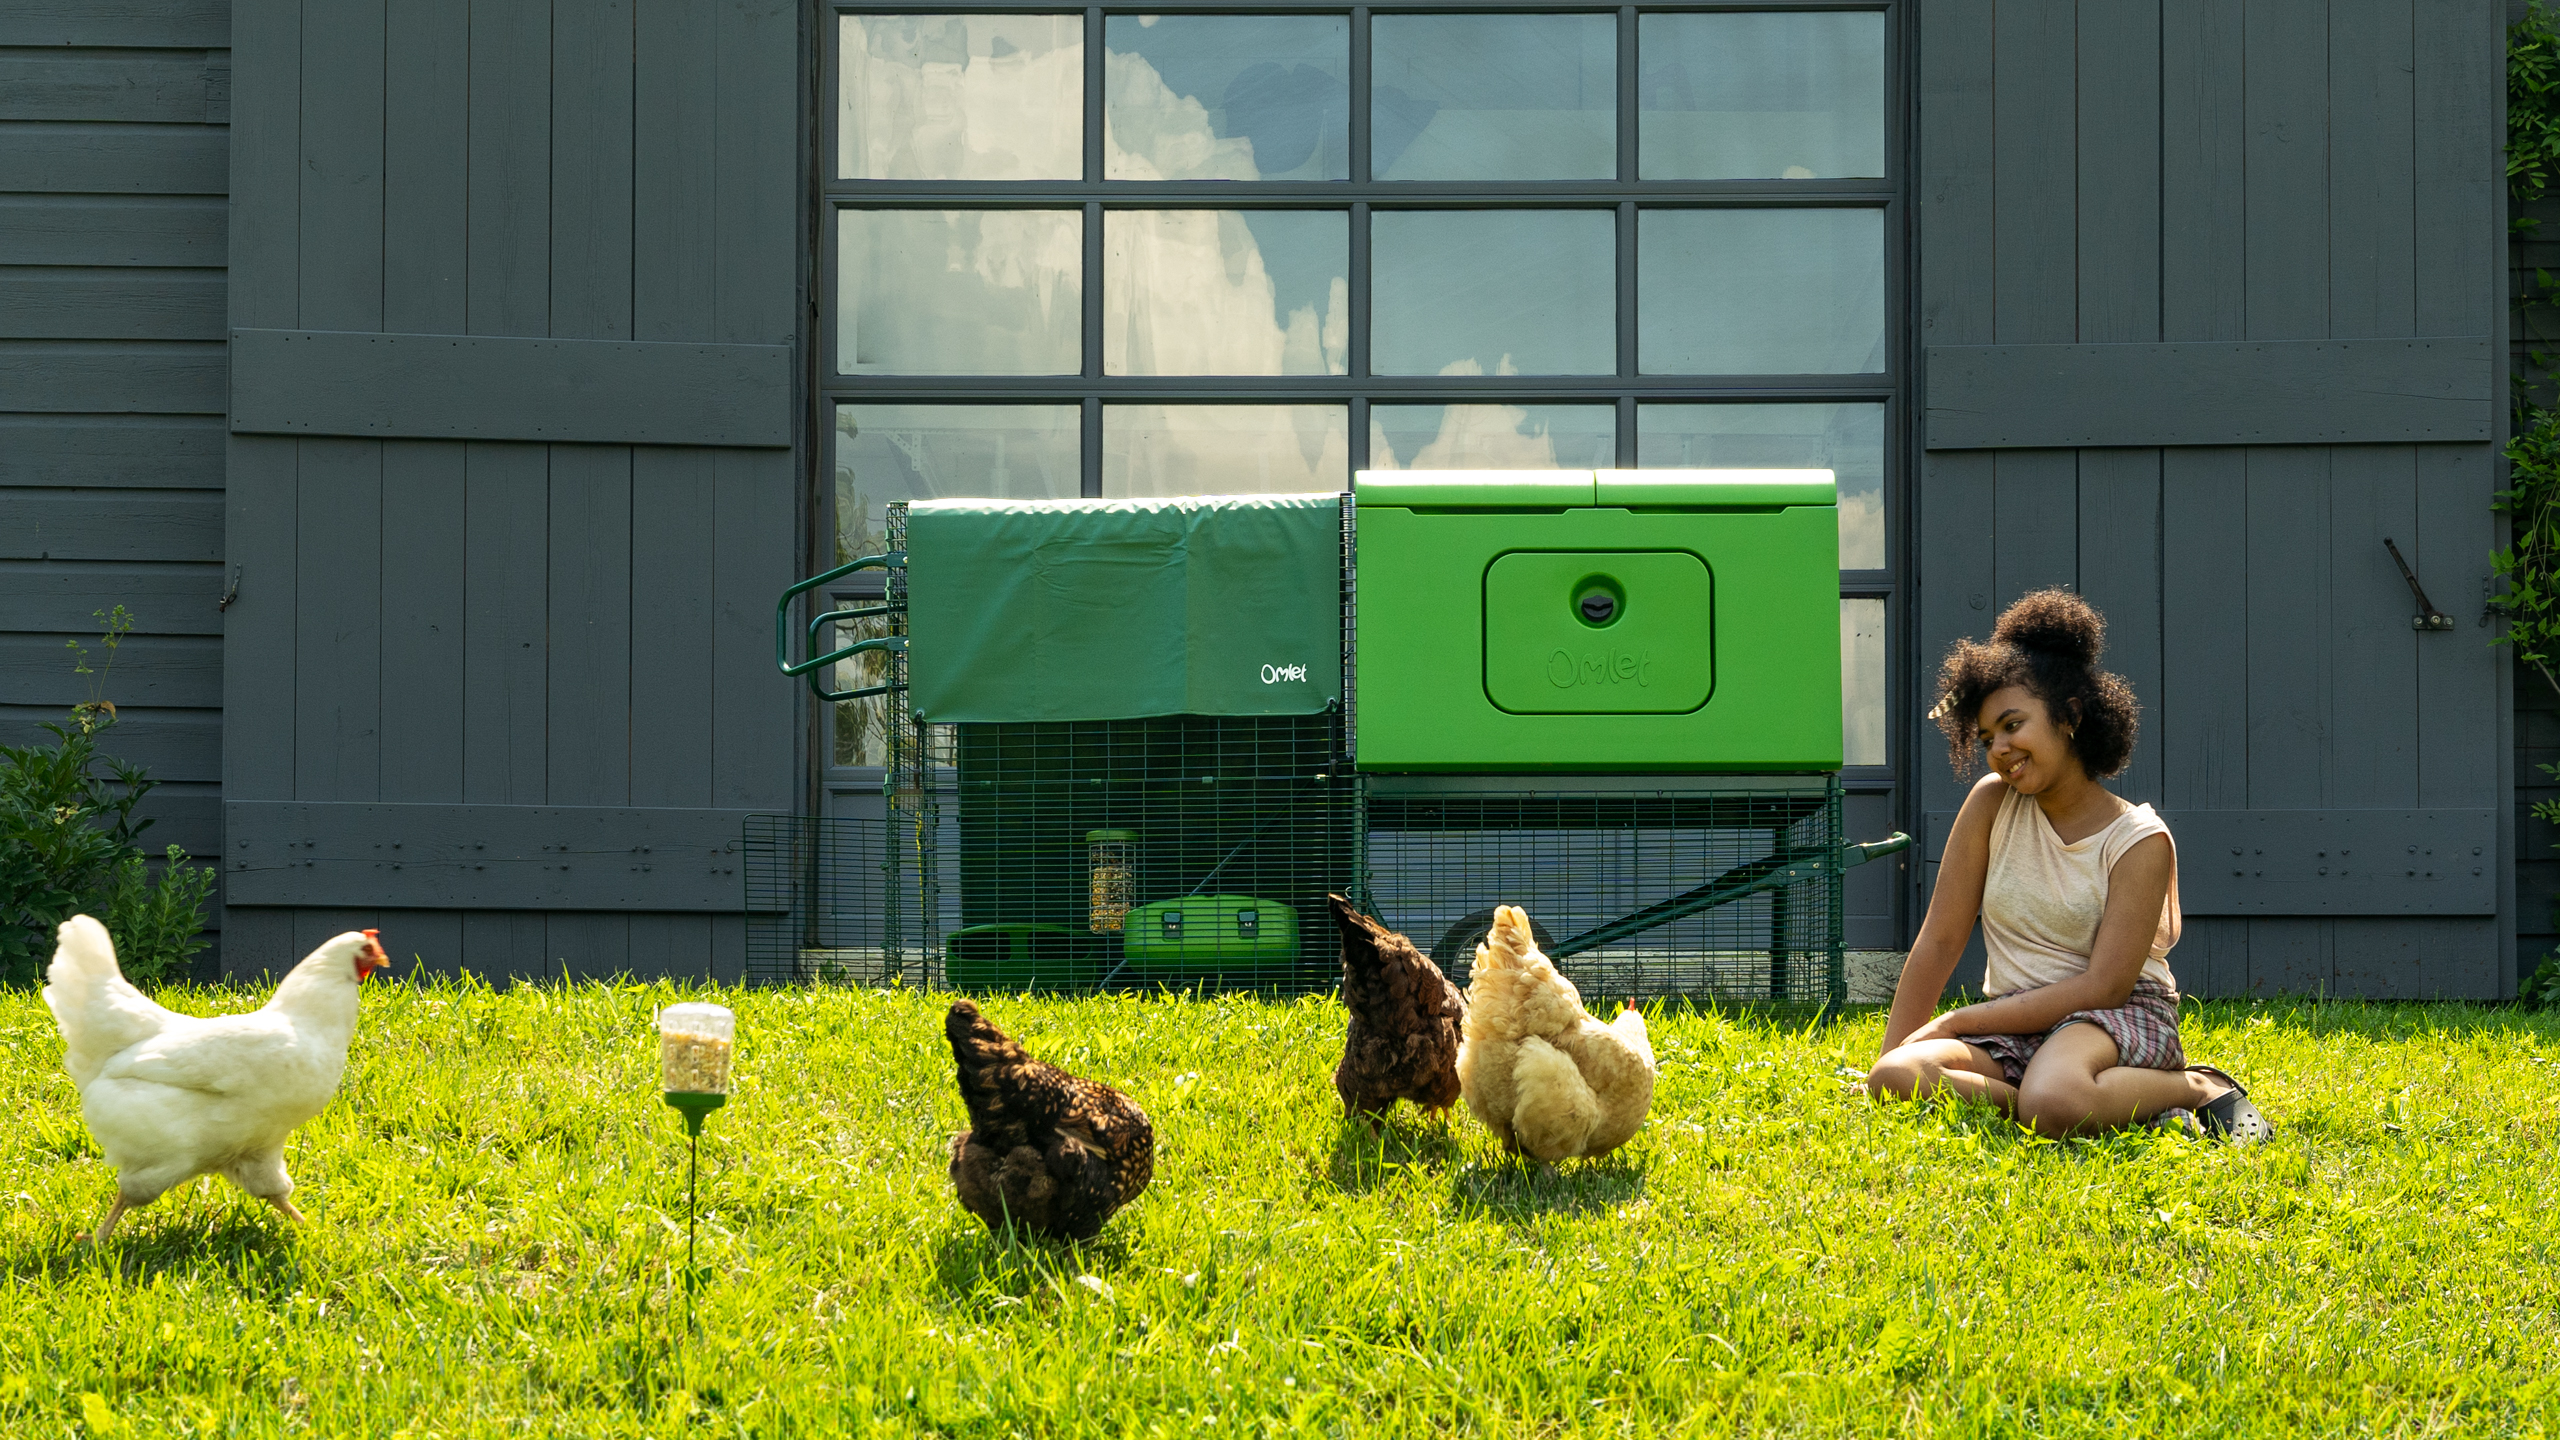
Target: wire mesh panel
1725,892
1181,851
816,901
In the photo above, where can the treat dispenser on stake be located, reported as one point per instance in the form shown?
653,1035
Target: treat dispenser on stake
695,1043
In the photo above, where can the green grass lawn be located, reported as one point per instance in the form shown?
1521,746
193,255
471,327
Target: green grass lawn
497,1243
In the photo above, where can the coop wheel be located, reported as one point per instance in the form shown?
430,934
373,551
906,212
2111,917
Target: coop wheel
1456,952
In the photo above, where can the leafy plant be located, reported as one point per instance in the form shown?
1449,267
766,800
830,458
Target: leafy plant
157,924
69,843
2533,113
2541,989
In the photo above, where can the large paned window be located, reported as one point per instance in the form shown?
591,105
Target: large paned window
1192,251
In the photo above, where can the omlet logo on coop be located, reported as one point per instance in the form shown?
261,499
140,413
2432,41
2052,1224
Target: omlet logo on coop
1600,667
1277,674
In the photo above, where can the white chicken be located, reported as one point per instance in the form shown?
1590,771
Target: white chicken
1542,1075
171,1096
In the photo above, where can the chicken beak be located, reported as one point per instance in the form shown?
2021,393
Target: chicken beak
373,957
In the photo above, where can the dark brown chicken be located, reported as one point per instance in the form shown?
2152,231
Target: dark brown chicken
1051,1153
1405,1021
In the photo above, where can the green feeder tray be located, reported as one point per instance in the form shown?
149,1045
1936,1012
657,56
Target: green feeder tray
694,1105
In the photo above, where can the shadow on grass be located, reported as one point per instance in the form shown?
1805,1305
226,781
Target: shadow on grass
976,1265
1519,1189
257,1255
1363,1160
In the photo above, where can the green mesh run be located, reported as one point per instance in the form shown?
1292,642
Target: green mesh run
1194,851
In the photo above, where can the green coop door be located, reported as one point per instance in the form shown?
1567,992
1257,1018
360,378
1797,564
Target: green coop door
1599,632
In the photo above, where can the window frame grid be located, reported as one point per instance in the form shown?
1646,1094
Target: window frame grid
1361,196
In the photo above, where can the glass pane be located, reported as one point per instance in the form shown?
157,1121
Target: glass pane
1493,292
931,452
1225,449
1226,292
1847,439
961,97
861,726
1771,292
1492,437
1748,96
1226,97
924,452
1862,682
1493,97
959,292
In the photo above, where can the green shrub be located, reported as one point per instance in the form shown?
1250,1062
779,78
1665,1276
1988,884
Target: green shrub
2541,989
157,924
68,844
64,830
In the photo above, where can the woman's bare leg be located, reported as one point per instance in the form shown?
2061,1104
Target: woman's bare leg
2074,1086
1941,1067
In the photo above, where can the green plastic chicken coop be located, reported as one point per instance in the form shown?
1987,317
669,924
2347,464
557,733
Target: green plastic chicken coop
1137,742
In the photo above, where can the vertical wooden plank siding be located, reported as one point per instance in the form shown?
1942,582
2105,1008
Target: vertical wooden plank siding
426,145
509,274
2119,572
2286,93
423,573
589,637
340,273
425,238
505,751
502,623
2203,172
591,216
674,262
2118,134
2372,179
260,487
2201,731
671,677
2036,200
1951,508
338,626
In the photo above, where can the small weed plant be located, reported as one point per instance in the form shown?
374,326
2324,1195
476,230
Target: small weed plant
69,842
497,1243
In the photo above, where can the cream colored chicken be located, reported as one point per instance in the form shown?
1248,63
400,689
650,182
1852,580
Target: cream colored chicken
170,1097
1544,1076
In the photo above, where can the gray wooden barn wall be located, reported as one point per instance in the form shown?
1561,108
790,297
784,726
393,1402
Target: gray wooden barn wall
113,162
506,697
2236,181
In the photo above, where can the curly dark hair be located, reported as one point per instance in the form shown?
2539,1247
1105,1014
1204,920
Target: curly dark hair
2048,642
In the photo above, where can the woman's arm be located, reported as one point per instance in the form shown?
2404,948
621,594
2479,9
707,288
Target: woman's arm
1955,902
2137,890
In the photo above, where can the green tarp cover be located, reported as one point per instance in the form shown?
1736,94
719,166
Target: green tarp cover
1118,609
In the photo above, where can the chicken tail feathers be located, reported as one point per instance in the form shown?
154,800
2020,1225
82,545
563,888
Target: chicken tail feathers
98,1012
1557,1108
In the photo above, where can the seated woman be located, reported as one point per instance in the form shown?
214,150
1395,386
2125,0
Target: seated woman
2077,892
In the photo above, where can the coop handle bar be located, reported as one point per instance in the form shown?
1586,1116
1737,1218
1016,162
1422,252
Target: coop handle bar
1770,873
813,667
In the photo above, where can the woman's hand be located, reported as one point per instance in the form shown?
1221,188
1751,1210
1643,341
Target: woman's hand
1953,1025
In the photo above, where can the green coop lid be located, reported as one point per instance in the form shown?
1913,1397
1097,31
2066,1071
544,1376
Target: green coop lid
1474,489
1715,489
1111,837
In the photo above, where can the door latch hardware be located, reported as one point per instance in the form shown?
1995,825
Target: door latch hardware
2428,616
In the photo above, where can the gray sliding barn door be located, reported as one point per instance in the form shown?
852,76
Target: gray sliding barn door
512,484
2210,308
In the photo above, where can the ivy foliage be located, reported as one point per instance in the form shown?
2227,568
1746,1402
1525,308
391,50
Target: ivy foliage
2533,113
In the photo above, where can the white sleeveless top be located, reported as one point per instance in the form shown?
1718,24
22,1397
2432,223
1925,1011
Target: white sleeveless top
2042,900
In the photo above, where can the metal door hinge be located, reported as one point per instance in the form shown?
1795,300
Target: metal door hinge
2428,616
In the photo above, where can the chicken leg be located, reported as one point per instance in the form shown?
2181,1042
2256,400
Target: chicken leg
107,1226
285,1205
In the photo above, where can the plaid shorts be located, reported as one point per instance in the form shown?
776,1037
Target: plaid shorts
2145,1029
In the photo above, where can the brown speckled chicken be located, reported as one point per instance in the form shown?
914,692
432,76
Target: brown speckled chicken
1051,1153
1405,1019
